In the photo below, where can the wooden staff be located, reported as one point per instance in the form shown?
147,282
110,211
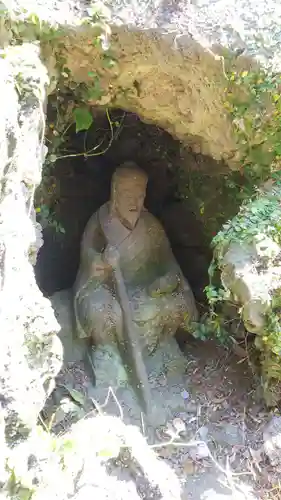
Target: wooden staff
133,349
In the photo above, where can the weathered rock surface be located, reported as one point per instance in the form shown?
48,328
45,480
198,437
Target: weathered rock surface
250,279
73,348
80,464
248,254
172,43
30,351
272,440
190,104
250,25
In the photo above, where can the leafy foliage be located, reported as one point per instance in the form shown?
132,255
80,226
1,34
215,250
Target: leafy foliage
212,325
47,218
253,101
83,119
260,216
74,113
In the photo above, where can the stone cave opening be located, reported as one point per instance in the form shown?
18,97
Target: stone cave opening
78,184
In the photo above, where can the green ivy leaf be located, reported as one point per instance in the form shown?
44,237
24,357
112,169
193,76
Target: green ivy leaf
33,18
83,119
77,396
94,91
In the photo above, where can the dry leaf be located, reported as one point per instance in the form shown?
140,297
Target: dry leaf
189,467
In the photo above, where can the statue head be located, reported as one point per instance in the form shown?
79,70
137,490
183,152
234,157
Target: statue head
128,189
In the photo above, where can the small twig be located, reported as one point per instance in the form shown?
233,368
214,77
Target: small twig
111,139
103,405
46,427
218,58
87,154
244,425
142,424
66,129
198,415
191,444
121,126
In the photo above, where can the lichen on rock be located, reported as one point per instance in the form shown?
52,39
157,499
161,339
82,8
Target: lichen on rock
272,440
247,252
62,468
30,351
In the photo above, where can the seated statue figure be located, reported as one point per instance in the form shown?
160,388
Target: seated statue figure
159,297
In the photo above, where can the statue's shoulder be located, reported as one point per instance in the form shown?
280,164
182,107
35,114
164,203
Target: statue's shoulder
94,220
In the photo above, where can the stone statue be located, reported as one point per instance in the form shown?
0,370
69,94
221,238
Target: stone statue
127,269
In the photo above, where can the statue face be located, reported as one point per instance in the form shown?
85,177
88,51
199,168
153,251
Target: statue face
129,194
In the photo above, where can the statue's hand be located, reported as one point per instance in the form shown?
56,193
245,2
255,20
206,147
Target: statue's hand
100,267
111,255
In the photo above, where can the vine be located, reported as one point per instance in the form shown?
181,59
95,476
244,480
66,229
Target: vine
261,215
253,101
72,108
71,116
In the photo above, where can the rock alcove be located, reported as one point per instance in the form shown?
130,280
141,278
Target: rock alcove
79,186
193,108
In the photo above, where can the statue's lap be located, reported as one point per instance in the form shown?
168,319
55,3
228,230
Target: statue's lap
100,311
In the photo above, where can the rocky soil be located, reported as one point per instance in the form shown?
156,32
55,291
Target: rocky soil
222,437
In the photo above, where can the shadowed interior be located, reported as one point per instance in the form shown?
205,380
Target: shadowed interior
82,185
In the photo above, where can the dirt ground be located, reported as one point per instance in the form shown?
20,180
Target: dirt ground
222,386
223,409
